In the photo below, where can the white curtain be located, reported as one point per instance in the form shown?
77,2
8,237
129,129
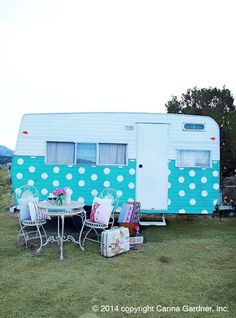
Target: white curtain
112,153
60,152
193,158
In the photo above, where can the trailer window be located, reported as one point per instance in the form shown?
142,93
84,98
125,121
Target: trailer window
193,158
194,127
60,152
112,154
86,153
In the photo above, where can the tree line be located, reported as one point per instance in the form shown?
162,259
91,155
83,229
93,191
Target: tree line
218,104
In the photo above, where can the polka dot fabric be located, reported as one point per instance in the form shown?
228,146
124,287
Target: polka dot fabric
193,190
190,190
85,181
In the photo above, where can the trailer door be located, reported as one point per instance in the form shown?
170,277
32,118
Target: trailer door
152,166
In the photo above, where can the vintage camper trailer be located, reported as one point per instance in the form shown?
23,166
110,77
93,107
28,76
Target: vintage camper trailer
168,162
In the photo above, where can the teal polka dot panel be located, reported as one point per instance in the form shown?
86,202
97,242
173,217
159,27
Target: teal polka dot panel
190,190
193,190
85,181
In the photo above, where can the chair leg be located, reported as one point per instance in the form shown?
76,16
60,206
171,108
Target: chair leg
40,236
89,239
23,234
86,236
44,233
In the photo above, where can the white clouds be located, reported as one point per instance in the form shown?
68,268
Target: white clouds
110,56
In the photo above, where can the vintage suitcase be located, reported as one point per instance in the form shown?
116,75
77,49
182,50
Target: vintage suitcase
115,241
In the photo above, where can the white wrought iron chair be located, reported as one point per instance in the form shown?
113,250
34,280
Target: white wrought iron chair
31,223
97,228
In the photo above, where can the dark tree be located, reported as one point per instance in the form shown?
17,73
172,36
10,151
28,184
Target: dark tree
218,104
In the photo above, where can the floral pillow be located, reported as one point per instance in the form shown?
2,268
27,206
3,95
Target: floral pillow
103,214
101,210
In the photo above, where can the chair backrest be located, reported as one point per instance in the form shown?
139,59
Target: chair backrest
110,193
27,192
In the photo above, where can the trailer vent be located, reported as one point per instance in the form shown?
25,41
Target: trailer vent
129,127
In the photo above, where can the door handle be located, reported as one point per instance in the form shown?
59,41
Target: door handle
140,166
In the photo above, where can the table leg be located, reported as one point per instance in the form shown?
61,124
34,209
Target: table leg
61,237
70,237
58,230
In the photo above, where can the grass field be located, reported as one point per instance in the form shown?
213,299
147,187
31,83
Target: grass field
188,262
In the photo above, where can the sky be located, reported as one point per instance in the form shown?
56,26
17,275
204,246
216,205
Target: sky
73,55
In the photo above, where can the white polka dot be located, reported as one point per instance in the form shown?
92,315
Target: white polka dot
20,161
120,178
169,202
18,191
33,157
182,211
55,183
216,186
204,193
106,184
69,176
204,212
44,175
181,179
215,173
81,170
119,193
215,202
169,172
131,185
19,175
94,177
30,182
192,201
181,193
169,185
130,200
94,193
120,167
81,199
192,186
32,169
132,171
69,166
181,168
106,170
81,183
192,173
44,191
56,169
203,179
118,209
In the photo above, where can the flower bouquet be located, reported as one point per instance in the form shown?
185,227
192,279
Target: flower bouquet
59,193
137,228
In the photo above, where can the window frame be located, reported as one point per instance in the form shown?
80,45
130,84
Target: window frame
56,163
97,153
194,129
76,154
113,164
189,166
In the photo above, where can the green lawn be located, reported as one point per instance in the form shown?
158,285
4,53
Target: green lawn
188,262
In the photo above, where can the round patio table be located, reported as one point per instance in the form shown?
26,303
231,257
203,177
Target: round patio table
62,211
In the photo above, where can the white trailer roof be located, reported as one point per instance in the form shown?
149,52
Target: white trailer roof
36,129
